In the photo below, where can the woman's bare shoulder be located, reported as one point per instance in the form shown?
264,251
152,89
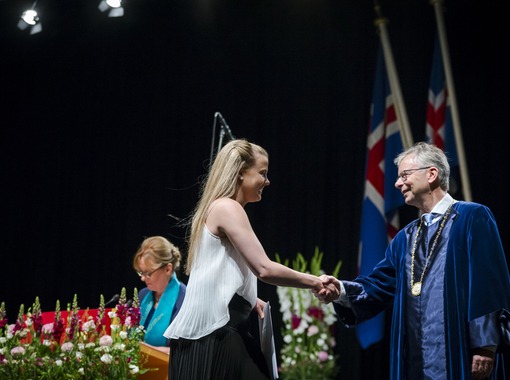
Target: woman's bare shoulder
225,205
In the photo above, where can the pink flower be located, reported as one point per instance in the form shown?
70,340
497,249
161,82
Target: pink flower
323,356
47,328
312,330
18,350
105,340
67,347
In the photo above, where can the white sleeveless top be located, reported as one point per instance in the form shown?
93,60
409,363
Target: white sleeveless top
218,272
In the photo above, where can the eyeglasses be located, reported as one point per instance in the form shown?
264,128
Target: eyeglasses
149,274
405,173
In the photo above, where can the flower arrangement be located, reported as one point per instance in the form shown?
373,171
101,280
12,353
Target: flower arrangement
79,346
308,336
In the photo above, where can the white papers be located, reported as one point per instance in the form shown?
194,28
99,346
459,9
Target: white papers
267,341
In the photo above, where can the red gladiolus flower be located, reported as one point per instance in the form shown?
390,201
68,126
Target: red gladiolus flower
316,312
295,321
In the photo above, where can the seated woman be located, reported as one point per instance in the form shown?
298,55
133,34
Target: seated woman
156,262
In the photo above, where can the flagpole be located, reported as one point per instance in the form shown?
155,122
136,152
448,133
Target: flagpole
403,122
466,189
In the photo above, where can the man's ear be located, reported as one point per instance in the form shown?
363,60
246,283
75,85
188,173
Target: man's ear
433,174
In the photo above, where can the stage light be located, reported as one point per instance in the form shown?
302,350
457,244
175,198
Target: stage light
115,7
30,19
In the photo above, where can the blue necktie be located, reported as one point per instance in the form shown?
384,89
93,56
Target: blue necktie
428,218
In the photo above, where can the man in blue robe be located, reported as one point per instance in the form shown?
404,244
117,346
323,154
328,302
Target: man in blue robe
445,275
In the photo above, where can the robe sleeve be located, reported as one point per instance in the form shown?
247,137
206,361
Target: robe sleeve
371,294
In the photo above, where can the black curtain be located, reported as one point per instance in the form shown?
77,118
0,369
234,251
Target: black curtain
107,129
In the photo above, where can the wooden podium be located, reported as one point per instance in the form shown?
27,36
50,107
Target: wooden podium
155,359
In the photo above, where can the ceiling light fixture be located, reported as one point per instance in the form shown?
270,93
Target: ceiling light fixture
30,20
114,6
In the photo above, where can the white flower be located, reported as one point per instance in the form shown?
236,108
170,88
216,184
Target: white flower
81,371
112,314
106,358
88,326
330,319
119,346
123,334
133,369
58,362
287,339
22,333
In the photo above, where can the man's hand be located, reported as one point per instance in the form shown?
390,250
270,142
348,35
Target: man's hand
482,365
331,290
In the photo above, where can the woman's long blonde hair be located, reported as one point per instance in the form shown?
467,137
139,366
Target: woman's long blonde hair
222,181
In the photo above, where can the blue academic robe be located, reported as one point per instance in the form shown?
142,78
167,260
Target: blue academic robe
476,283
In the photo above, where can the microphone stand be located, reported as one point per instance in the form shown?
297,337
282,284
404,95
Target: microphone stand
224,129
213,138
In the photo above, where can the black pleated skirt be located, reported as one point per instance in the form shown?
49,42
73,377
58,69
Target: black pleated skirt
229,353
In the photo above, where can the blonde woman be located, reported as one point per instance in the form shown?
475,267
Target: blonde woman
156,262
209,337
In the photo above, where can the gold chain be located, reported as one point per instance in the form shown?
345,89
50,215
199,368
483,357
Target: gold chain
416,286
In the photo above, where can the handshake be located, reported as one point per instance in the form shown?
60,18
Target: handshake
330,290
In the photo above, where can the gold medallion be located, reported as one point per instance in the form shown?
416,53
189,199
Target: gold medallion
416,289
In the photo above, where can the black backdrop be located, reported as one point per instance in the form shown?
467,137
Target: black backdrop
107,128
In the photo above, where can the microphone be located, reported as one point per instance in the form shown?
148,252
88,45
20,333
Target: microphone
129,303
225,126
115,298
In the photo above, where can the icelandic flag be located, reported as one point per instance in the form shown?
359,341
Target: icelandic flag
381,201
439,126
